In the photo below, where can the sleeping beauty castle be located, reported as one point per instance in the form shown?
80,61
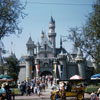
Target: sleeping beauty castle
44,58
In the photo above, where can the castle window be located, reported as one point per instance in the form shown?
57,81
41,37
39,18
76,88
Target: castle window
45,47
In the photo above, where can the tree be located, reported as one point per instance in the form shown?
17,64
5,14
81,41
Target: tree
12,66
10,12
88,37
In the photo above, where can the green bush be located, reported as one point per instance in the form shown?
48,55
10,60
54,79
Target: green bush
91,88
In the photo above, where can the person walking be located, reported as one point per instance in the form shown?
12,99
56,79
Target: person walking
28,90
8,93
57,96
22,88
38,90
63,94
93,96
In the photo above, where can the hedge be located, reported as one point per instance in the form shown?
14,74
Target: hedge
91,88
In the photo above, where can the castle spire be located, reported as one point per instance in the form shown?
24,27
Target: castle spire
61,42
52,20
52,34
42,34
79,55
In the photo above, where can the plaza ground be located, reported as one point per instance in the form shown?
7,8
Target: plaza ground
46,96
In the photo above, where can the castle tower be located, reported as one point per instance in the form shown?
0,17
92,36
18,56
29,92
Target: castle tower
42,35
38,49
29,58
62,59
52,34
80,62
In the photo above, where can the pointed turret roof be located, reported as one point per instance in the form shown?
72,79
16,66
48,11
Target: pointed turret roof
79,55
60,42
38,44
13,55
52,20
74,50
42,34
45,40
29,41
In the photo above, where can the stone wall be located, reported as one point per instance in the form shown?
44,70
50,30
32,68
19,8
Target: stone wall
22,73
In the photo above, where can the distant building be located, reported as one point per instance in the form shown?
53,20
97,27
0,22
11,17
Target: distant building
44,58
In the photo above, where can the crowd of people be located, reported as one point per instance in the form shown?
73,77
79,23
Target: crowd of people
38,85
35,86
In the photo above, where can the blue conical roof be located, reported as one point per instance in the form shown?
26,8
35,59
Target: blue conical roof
30,41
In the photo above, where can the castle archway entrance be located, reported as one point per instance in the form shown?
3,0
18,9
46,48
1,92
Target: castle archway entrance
44,73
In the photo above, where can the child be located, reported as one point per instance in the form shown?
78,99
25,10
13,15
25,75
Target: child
56,96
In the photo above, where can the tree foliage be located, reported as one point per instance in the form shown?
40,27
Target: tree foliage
88,37
10,12
12,66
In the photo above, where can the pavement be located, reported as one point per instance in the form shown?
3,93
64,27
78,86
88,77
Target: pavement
46,96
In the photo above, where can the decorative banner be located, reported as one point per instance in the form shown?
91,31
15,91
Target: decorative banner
54,68
60,70
38,67
31,70
27,78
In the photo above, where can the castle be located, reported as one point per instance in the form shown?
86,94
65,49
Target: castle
44,58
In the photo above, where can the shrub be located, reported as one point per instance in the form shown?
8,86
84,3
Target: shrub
91,88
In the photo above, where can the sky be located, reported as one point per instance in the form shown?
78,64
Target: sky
66,13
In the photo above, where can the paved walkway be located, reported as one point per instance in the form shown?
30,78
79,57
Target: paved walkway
45,95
